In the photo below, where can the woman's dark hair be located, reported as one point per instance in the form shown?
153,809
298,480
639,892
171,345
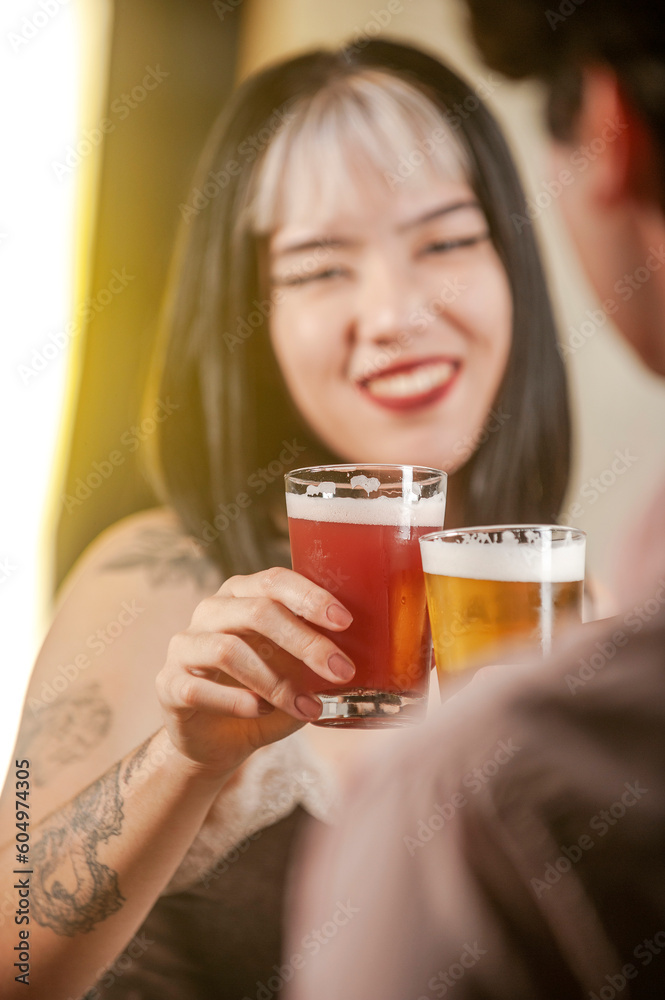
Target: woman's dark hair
218,455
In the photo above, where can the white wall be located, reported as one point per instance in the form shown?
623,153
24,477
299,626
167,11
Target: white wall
46,54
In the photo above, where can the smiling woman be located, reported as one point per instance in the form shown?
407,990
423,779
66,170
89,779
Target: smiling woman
327,302
374,312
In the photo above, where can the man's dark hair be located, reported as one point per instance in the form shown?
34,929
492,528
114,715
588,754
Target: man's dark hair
553,42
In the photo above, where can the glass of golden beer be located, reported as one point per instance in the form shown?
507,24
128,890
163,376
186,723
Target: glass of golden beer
492,588
354,530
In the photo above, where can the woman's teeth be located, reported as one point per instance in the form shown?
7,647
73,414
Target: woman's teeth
412,383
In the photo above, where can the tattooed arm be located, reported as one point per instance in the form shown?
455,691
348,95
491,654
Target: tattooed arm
98,864
64,732
238,668
90,701
91,696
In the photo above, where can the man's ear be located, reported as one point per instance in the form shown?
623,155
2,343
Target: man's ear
628,162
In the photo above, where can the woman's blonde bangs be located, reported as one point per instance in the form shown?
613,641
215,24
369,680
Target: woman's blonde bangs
367,120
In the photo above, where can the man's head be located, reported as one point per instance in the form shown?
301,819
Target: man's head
603,66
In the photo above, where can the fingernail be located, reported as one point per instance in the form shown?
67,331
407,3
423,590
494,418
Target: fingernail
307,706
265,708
339,615
341,667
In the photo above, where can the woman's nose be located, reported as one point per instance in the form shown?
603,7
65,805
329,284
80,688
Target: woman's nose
387,301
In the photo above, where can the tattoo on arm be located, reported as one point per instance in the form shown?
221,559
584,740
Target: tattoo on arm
135,761
168,555
71,889
64,732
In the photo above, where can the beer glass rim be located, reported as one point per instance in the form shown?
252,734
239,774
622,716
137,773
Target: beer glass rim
576,534
430,474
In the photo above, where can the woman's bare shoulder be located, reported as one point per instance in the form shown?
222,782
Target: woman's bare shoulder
153,548
91,696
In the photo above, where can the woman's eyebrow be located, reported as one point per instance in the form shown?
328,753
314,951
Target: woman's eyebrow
314,243
435,213
336,242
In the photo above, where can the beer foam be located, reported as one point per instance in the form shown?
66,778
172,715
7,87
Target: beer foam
508,561
390,511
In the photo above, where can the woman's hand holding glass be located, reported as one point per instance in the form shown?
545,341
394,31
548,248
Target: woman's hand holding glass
242,674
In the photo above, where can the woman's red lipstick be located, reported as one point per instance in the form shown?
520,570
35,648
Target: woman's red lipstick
411,385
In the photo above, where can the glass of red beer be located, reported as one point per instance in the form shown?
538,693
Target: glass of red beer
354,530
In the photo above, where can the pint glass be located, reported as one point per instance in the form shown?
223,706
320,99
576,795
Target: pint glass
491,588
354,530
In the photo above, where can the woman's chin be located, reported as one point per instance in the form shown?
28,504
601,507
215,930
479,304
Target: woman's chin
407,455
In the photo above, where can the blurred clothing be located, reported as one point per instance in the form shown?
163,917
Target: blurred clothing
515,850
220,938
215,933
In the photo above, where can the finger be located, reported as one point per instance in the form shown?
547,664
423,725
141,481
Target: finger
270,619
295,591
235,657
197,694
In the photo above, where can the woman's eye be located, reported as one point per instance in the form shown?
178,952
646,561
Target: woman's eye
442,246
293,280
